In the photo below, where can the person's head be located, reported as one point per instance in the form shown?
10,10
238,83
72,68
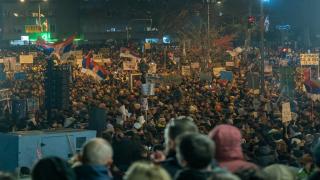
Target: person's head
279,171
195,150
177,127
146,171
97,151
52,168
228,142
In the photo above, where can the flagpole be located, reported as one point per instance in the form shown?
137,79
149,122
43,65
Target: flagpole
39,18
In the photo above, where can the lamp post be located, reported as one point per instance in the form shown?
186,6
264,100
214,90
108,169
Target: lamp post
209,2
262,88
39,9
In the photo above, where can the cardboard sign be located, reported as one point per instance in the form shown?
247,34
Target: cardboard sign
152,68
309,59
130,66
185,71
195,65
9,63
147,89
217,70
226,75
26,59
286,112
229,63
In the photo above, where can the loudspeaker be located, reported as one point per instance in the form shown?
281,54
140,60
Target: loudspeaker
97,119
57,87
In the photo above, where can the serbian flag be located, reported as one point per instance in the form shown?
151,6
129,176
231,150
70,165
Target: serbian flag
128,53
93,69
58,49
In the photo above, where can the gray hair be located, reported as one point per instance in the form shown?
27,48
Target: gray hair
97,151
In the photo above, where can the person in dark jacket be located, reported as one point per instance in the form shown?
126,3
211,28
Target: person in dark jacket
96,158
316,158
173,129
195,153
51,168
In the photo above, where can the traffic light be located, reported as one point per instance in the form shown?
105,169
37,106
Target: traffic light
251,21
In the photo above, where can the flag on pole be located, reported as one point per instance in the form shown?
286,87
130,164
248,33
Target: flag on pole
92,68
128,53
58,49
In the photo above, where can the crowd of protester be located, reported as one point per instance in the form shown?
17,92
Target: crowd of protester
192,129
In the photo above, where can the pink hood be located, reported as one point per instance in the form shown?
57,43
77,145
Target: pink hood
228,143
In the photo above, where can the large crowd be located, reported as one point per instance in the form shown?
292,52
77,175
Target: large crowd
192,129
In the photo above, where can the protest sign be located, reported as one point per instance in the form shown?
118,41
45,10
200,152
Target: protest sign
147,89
229,63
286,112
185,71
26,59
152,68
130,65
217,70
226,75
309,59
195,65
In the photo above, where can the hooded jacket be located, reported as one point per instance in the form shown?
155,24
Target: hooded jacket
228,148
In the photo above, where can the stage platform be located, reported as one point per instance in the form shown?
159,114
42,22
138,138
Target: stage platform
24,148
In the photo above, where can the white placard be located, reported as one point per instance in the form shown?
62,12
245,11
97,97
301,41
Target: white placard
185,71
26,59
309,59
286,112
229,63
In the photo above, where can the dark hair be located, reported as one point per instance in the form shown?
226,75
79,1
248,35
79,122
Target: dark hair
179,126
52,168
196,149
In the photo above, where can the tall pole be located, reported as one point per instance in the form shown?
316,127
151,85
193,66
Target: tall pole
39,15
262,47
208,34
